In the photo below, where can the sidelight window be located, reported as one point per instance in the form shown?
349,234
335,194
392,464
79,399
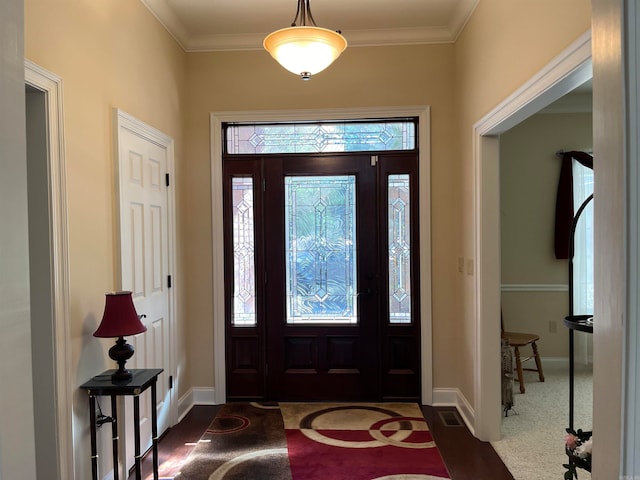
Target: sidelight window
399,221
244,285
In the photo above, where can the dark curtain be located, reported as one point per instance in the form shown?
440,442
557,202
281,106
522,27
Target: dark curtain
564,201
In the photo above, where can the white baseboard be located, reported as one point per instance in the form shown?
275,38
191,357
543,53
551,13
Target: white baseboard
445,397
185,403
204,396
452,397
195,396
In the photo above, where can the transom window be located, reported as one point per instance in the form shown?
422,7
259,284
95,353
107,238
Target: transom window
320,137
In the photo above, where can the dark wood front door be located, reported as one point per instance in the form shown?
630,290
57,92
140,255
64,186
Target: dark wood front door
335,262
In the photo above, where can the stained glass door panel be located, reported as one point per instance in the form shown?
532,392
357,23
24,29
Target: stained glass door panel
244,288
399,248
320,243
400,322
321,330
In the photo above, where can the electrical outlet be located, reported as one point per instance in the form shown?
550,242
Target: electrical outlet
470,266
461,264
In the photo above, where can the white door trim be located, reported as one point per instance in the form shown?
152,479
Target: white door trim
631,359
565,72
124,120
51,85
218,118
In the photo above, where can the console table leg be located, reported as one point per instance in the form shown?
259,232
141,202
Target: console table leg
114,437
136,430
571,375
154,430
94,447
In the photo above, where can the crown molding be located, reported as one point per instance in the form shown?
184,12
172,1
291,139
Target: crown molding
399,36
461,16
356,38
169,20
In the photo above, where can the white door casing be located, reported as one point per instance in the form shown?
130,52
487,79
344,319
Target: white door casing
571,68
146,229
59,336
219,394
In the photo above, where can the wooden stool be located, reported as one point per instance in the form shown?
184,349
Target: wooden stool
517,340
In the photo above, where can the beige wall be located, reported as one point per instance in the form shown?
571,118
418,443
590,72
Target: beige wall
529,172
108,54
362,77
17,442
502,46
115,54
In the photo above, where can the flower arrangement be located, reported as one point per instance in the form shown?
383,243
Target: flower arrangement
578,448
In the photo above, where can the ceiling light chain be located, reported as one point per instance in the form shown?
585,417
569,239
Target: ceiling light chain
305,49
303,12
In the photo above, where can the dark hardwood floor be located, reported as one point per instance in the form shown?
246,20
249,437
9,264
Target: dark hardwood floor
465,456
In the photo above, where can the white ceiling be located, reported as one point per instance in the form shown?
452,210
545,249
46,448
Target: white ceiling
207,25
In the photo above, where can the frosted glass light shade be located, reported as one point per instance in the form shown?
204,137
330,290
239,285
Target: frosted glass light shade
305,50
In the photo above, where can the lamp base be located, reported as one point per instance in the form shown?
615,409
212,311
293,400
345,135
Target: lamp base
120,353
121,375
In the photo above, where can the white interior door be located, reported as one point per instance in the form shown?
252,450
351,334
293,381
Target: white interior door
144,160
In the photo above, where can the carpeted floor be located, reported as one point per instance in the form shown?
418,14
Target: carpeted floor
298,441
532,446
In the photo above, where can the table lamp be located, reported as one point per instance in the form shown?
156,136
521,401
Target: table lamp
120,319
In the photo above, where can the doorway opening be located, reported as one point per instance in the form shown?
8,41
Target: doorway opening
322,265
49,275
536,289
423,181
562,75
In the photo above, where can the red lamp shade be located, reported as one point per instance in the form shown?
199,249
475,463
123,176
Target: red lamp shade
120,318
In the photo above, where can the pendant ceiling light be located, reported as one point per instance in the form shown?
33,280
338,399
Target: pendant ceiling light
304,48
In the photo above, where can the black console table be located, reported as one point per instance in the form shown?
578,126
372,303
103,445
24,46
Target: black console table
103,385
582,323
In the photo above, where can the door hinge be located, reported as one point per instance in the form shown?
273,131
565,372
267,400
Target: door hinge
166,178
374,160
168,281
264,184
170,382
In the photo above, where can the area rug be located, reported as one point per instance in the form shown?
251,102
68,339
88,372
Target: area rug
316,441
